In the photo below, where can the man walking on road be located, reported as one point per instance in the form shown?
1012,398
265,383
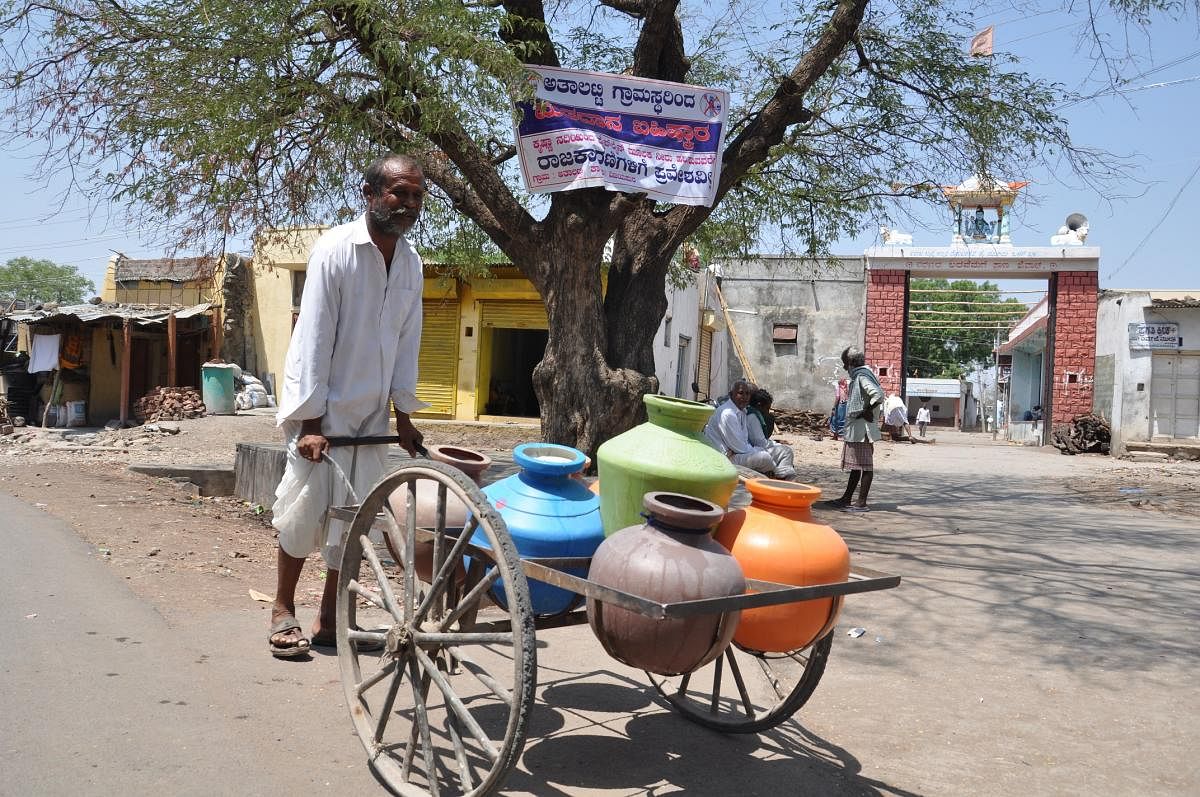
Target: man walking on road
354,349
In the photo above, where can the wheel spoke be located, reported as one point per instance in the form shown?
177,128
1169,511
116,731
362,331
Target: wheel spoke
422,724
369,595
362,686
463,638
683,685
741,684
385,586
481,675
439,540
385,711
445,574
456,704
356,635
410,550
460,754
471,599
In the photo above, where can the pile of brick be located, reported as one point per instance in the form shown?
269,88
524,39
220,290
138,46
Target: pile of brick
169,404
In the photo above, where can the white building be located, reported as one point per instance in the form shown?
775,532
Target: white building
1148,367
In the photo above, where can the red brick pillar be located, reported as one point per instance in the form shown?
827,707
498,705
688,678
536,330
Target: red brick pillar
1074,343
884,345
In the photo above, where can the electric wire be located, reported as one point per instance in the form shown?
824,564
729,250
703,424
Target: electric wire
1157,224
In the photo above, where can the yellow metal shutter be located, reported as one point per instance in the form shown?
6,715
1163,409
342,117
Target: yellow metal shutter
513,315
437,365
705,370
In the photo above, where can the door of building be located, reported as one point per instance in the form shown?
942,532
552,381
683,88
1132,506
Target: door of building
437,364
704,368
1175,396
681,366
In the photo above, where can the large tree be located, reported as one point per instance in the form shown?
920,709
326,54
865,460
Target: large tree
34,281
234,116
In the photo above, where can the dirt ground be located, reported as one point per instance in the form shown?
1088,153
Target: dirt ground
221,551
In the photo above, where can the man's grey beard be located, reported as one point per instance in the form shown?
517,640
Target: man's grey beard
390,222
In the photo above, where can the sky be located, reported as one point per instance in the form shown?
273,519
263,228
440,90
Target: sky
1145,228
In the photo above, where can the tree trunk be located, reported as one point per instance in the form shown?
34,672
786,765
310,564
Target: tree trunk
592,378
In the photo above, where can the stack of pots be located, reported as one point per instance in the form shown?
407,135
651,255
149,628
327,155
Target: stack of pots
775,539
666,453
549,514
669,558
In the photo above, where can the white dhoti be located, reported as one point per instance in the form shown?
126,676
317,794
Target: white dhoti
308,489
776,458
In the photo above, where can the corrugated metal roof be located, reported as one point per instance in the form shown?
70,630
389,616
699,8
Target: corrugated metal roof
165,269
144,314
1187,301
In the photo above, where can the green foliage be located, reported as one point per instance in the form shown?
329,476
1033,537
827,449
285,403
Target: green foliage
35,281
235,117
953,325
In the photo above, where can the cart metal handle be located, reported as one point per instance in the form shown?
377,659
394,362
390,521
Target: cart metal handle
374,440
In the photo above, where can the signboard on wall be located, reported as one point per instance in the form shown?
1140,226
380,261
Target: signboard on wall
622,133
1163,335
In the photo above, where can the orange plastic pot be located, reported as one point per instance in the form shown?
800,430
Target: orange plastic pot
775,539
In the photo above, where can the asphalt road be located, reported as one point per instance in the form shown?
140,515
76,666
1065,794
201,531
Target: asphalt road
100,696
1042,643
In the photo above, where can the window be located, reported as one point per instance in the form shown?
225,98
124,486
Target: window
784,333
297,288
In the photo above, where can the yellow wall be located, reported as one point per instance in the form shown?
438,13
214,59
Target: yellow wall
277,257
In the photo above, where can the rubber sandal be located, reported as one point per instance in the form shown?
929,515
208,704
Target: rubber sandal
287,651
856,509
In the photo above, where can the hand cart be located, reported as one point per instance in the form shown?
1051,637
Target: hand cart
443,707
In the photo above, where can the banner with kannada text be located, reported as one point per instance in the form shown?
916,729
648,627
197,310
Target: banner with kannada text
622,133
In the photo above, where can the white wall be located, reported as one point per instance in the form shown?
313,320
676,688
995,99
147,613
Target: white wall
682,318
1129,412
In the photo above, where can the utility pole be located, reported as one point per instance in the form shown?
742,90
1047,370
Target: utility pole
996,387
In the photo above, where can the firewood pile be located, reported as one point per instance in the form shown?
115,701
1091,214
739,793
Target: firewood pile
169,404
800,422
1084,434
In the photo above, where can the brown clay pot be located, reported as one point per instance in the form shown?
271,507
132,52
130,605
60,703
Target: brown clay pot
473,464
670,558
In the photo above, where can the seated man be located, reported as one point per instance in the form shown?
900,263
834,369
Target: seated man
729,431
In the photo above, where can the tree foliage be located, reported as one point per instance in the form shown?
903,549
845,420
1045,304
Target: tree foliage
234,117
953,325
35,281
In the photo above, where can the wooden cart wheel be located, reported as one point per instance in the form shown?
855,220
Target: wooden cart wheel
747,691
442,708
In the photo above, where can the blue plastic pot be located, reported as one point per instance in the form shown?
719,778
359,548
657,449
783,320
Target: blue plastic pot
548,514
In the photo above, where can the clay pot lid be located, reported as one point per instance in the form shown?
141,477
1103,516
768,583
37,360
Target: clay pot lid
781,493
683,512
468,460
